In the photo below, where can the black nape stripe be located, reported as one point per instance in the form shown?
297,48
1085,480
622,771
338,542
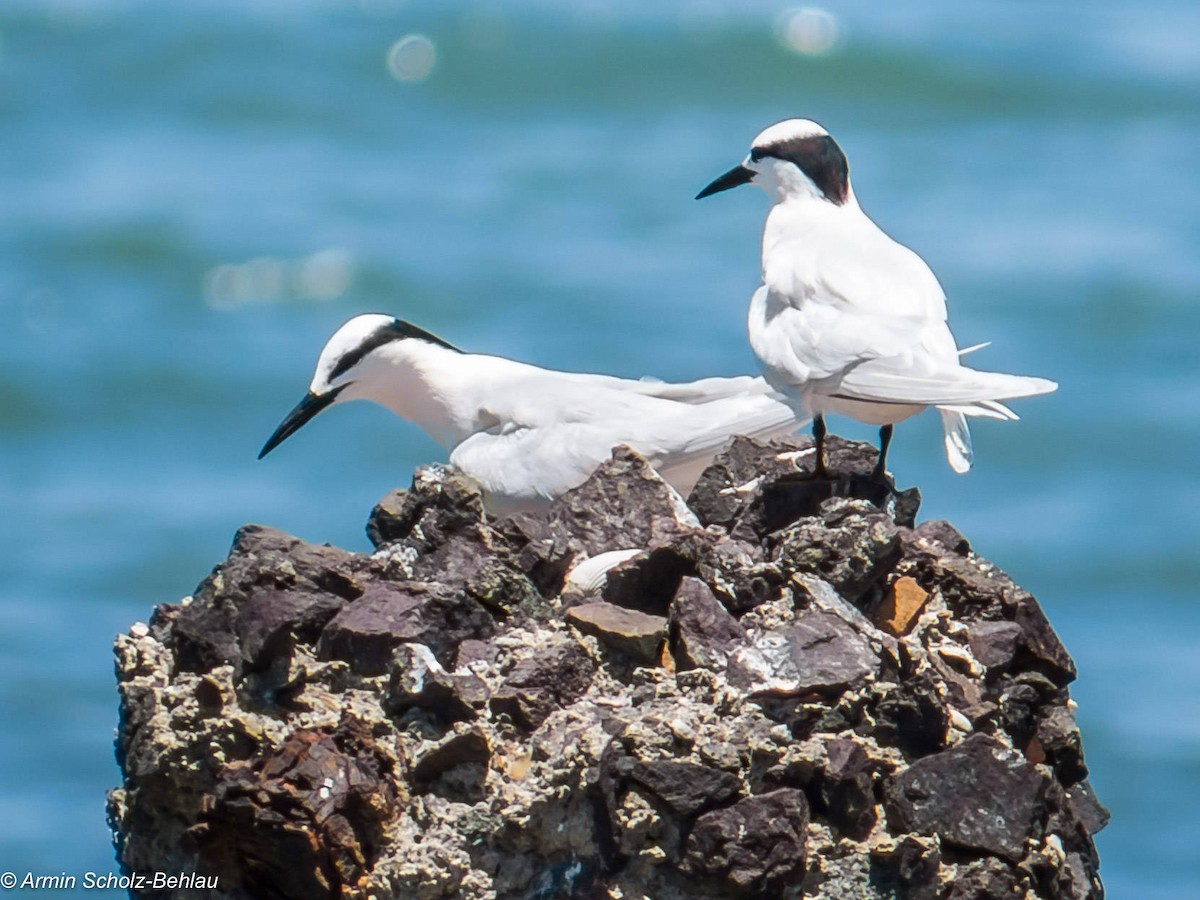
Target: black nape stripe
395,330
819,157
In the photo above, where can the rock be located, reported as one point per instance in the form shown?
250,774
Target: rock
623,504
304,820
911,716
846,705
941,532
1087,808
979,795
847,788
703,633
756,845
540,684
271,620
851,546
417,680
901,606
994,643
817,653
467,748
686,788
441,502
636,635
365,632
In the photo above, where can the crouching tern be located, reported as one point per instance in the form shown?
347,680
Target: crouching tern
525,433
847,320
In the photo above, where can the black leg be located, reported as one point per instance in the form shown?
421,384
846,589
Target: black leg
885,438
818,431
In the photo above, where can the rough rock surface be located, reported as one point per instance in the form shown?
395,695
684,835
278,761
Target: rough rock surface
790,691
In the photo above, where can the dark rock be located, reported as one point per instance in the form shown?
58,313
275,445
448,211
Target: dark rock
753,847
465,748
416,680
301,821
985,879
648,581
203,637
852,547
942,532
205,633
538,685
1041,643
271,620
480,561
703,633
911,716
908,869
473,651
539,550
848,788
686,788
1060,741
1087,808
440,502
818,653
623,504
979,795
634,634
365,632
1019,705
753,489
994,643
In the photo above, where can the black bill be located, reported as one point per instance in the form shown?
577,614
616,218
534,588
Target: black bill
304,410
735,177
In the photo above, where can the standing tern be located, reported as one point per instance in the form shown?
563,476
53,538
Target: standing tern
847,320
525,433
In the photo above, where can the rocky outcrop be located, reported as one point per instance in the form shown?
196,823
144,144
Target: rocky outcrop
788,690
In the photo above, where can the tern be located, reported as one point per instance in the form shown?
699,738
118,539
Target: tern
525,433
847,320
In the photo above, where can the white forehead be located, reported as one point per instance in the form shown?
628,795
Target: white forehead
353,333
789,130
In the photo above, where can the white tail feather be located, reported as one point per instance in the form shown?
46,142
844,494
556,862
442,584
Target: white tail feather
958,441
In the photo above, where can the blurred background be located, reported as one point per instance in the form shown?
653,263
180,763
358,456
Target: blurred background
193,196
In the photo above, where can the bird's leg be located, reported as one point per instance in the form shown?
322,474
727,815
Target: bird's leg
818,430
885,438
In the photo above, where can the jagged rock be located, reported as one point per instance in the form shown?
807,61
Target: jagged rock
303,820
901,605
848,788
817,653
466,748
540,684
852,546
703,633
623,504
994,643
417,680
756,845
440,502
637,635
848,706
388,614
979,795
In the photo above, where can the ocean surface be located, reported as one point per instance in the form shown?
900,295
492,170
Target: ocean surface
194,195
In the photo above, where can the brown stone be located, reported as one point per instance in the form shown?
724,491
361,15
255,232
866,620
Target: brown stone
901,606
638,635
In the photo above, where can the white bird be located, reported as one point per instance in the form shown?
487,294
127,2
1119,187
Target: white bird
525,433
847,320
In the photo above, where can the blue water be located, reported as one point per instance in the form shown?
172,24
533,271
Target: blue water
194,195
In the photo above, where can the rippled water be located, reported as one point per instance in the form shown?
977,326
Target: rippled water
194,195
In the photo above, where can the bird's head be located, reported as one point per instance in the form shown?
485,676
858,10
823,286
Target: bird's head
358,363
793,158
